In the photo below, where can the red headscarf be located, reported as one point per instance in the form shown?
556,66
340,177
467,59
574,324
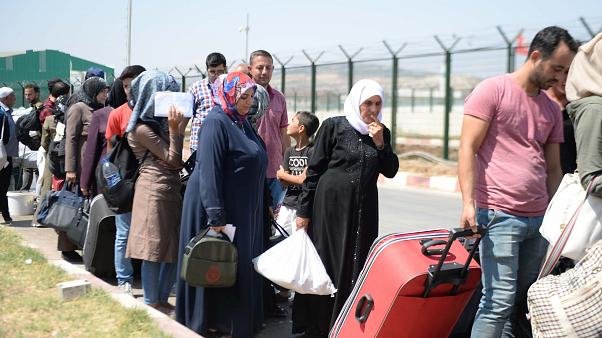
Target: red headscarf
228,88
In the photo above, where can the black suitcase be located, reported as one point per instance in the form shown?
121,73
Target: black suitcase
99,247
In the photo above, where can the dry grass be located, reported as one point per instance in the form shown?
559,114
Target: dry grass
423,166
427,168
30,306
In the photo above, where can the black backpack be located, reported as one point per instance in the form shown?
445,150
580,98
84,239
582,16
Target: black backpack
30,123
56,149
120,197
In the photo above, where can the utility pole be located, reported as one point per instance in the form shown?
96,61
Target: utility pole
128,61
246,29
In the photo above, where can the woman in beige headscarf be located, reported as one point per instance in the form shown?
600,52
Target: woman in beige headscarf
584,91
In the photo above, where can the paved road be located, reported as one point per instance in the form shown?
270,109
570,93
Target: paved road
401,210
407,209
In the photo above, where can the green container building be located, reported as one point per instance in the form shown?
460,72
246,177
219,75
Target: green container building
19,69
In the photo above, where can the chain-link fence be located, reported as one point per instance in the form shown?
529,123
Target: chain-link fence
425,81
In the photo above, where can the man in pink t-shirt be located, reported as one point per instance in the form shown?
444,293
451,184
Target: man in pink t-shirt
508,169
272,125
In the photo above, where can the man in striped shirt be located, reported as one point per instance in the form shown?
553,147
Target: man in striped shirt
203,99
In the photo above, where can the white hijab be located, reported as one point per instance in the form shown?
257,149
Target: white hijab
360,92
585,74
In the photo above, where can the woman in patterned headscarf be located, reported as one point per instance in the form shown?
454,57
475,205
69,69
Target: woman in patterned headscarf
154,230
226,187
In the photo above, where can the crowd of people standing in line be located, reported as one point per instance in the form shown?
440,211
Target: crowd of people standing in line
240,135
514,148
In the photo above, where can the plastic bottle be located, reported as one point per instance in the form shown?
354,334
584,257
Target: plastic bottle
110,173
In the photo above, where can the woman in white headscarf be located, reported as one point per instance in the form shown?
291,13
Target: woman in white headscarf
339,203
584,91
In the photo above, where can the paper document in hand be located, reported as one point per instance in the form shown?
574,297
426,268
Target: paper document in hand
164,100
229,230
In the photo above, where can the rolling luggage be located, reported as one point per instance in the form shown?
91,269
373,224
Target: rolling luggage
412,285
99,247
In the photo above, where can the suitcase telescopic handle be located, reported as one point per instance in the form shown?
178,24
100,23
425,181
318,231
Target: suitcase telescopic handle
363,308
455,233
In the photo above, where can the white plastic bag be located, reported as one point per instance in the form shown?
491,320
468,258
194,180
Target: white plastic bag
294,264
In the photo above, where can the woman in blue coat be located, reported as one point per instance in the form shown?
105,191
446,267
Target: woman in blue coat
226,187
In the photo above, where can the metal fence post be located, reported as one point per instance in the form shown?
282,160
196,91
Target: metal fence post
313,78
283,71
22,93
587,27
448,94
350,66
183,75
510,51
394,92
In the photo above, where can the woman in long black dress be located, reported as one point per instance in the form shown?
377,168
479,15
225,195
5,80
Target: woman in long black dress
339,202
226,187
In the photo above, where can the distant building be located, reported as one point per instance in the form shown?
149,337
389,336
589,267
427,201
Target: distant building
18,69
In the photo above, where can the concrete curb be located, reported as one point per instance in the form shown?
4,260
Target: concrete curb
426,141
164,322
407,179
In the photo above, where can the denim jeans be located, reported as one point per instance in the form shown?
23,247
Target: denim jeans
157,281
123,265
276,191
511,254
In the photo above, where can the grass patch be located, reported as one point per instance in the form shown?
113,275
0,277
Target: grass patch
30,305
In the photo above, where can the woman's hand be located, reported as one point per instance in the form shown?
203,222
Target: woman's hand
174,119
70,176
218,229
86,192
302,223
375,130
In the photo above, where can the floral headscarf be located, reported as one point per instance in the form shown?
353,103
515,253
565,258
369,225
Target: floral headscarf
228,88
143,92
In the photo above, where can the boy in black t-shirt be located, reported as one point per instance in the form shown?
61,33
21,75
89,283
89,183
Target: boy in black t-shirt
292,173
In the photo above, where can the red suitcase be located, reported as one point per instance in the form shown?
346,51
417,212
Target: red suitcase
412,285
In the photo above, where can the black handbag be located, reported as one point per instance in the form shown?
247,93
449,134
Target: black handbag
77,232
209,261
61,209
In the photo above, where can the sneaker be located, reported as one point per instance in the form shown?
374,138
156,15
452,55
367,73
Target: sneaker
126,288
8,221
37,225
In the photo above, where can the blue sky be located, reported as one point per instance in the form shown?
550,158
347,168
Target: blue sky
182,33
